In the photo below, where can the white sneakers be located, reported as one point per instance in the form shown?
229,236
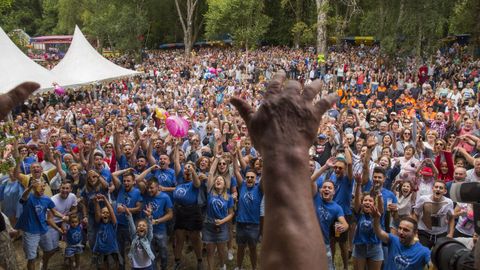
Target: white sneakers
230,255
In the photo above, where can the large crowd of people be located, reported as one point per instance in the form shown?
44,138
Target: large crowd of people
98,169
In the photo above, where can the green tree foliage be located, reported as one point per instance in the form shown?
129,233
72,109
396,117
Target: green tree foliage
402,26
243,19
5,5
466,19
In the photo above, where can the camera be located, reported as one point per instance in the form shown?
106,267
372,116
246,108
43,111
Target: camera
449,254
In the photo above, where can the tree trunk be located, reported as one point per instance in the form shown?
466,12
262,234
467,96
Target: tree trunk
400,15
186,21
321,26
188,40
298,19
476,30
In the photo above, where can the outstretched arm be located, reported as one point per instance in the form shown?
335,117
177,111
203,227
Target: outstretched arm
288,119
15,97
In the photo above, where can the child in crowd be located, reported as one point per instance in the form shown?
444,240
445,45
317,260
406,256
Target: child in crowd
74,239
106,247
141,255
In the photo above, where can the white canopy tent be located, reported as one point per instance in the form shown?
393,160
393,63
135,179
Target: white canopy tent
82,64
16,67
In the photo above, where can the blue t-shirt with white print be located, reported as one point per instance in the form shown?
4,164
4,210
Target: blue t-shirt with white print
159,205
402,257
327,214
249,200
128,199
34,217
343,191
106,240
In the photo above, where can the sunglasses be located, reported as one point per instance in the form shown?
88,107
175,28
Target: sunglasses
250,177
338,168
441,144
222,163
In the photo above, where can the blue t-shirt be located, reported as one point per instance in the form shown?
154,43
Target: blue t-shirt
217,207
128,199
401,257
34,217
180,176
123,162
249,201
327,214
105,173
186,194
74,236
364,233
166,178
10,195
159,205
156,155
106,240
343,191
26,163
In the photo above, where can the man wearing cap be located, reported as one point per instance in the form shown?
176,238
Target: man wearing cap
322,149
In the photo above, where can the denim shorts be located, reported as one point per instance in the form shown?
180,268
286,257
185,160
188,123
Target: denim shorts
31,242
70,251
247,233
372,252
215,234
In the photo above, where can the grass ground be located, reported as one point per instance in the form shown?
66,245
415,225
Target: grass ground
56,262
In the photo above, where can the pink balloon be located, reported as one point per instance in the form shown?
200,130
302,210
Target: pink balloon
59,90
177,126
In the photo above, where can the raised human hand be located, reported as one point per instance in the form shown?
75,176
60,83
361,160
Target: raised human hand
287,116
15,97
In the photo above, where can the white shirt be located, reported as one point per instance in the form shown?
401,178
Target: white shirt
64,205
442,216
472,176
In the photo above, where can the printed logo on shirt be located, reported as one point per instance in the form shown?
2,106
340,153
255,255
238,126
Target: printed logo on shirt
401,262
366,225
76,236
127,200
154,206
162,177
323,213
180,192
103,235
248,197
217,204
38,209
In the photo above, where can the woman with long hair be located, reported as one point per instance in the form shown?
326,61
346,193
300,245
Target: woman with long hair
215,233
367,248
95,185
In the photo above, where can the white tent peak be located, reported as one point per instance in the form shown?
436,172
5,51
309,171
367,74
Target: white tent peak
82,64
16,67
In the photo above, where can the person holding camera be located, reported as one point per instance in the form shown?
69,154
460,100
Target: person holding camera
435,215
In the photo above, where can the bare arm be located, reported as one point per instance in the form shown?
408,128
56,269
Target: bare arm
168,216
377,228
150,157
176,158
